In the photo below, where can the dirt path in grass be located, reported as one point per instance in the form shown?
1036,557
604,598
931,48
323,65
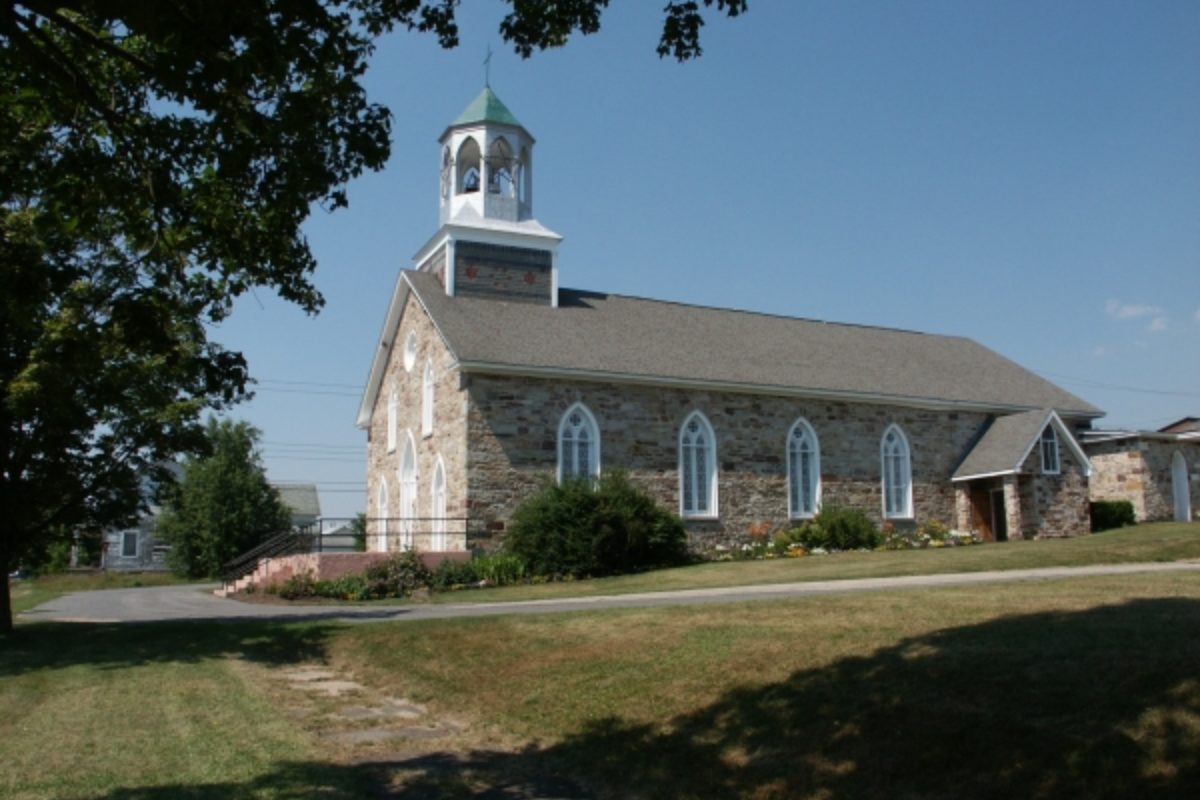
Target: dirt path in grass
169,603
411,752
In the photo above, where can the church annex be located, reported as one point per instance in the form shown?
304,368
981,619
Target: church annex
489,378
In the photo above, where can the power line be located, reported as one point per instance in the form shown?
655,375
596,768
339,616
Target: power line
312,383
1117,387
292,457
327,392
315,445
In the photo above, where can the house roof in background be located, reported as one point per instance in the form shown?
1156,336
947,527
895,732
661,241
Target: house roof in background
607,337
300,498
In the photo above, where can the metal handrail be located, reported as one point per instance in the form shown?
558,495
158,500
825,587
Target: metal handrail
281,544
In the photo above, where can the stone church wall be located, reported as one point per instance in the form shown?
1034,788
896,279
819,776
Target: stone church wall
1053,505
1139,471
449,431
513,427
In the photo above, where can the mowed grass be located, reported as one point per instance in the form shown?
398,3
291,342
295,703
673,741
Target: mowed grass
1082,687
29,592
1162,541
157,711
1085,687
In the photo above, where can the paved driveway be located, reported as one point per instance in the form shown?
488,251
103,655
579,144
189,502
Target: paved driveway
196,601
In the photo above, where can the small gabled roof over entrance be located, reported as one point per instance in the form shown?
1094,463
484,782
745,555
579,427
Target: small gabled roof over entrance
1006,444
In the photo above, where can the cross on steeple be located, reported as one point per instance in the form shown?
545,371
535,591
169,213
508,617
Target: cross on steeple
487,68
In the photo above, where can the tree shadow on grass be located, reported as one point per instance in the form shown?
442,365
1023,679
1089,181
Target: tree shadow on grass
442,776
1098,703
1103,703
116,646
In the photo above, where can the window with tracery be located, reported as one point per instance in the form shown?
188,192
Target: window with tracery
697,467
578,444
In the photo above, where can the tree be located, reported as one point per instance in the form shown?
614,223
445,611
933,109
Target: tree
223,504
157,161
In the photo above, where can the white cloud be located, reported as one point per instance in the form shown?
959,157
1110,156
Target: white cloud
1118,310
1196,316
1099,351
1157,325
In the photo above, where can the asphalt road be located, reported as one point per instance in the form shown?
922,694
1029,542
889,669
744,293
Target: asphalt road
197,602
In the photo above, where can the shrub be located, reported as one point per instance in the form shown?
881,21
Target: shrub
296,587
833,528
582,527
398,576
847,529
1109,514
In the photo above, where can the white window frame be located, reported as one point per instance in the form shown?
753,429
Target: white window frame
393,403
124,538
410,351
408,491
1051,454
381,511
437,507
794,461
565,428
688,480
902,470
427,386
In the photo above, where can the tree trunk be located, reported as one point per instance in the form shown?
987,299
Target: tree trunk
6,620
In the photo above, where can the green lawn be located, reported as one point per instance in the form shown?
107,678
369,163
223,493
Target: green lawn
1067,688
1161,541
1086,687
157,712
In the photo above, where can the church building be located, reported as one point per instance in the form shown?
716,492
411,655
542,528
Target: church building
490,378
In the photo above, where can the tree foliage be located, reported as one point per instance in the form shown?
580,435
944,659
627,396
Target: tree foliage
157,160
223,504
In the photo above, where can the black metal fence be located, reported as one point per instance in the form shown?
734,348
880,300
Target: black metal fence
385,534
350,535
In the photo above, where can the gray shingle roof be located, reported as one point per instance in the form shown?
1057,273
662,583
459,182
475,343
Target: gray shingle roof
1003,446
607,336
301,499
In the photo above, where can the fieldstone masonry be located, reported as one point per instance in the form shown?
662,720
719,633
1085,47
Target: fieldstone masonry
1139,470
513,426
448,440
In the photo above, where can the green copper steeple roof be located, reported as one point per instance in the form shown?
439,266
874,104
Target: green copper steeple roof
486,108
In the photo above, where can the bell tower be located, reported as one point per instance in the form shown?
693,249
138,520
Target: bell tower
487,167
489,244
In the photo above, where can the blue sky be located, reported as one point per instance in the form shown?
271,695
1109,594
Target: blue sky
1024,173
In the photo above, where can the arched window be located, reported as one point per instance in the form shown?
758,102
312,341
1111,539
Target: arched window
446,165
897,474
427,400
1050,462
381,517
408,492
523,175
437,507
1180,490
392,405
697,467
578,444
468,163
500,169
804,470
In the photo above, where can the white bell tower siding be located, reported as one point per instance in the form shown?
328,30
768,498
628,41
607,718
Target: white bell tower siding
487,168
489,244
